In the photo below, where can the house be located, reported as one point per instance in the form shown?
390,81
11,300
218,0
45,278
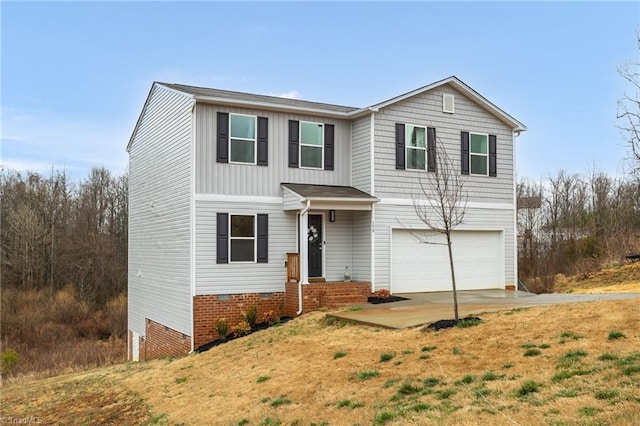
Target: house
240,200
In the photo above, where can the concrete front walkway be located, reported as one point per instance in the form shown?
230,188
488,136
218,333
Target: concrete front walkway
425,308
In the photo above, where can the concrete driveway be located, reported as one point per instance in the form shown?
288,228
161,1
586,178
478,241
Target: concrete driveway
425,308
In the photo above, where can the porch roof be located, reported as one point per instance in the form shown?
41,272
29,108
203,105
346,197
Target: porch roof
325,197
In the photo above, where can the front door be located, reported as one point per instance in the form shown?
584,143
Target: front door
315,245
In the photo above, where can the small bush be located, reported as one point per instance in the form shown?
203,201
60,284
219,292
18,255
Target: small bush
615,335
181,380
339,354
251,316
544,346
241,329
222,328
529,387
9,360
384,418
532,352
387,356
271,317
490,376
428,348
262,379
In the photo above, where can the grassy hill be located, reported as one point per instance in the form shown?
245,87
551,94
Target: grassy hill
576,364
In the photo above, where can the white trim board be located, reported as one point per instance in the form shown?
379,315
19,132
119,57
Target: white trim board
472,204
239,198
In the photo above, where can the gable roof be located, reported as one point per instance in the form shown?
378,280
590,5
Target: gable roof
465,89
241,99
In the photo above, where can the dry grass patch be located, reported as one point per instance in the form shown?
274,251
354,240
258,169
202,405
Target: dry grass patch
487,381
619,279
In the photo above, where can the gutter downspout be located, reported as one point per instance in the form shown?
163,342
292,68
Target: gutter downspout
302,241
516,134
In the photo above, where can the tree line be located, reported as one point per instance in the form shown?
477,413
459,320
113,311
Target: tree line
573,224
58,233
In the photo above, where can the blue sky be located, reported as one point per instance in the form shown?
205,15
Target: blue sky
75,75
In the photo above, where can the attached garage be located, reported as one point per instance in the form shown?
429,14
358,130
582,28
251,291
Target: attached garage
419,267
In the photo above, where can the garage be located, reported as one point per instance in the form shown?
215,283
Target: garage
419,267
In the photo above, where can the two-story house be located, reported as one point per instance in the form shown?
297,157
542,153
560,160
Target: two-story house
239,199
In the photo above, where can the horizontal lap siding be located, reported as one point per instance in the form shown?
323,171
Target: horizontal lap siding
240,179
159,214
338,249
233,278
389,216
361,154
426,110
361,232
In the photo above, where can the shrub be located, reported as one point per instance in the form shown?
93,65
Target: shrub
281,400
251,316
368,374
532,352
222,328
262,379
242,329
408,388
9,359
428,348
271,317
383,293
608,357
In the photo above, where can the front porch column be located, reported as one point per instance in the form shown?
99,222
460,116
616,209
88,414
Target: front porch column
304,246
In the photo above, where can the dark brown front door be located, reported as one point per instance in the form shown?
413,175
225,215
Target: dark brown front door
315,245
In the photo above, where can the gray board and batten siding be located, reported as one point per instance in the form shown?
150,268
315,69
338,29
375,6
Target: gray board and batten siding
160,213
241,179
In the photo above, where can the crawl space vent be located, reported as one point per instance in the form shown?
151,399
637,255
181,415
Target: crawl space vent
448,104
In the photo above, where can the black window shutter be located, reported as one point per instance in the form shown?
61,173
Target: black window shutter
263,143
493,155
400,156
431,149
223,138
328,146
222,238
294,135
263,238
464,138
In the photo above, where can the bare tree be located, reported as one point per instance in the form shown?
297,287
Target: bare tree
441,206
629,109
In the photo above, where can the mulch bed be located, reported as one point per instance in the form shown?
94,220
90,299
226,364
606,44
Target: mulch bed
439,325
257,327
377,300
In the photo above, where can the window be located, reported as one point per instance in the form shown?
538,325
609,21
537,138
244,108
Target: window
242,138
311,145
242,238
416,146
478,154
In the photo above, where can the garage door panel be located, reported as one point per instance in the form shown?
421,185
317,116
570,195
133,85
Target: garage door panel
418,267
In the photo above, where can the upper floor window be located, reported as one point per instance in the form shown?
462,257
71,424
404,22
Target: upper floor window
478,154
311,145
242,138
416,146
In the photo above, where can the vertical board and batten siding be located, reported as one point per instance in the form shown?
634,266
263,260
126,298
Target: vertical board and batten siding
361,231
388,216
242,179
426,110
361,154
159,214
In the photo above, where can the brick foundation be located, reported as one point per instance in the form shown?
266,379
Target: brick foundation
510,287
326,295
162,341
208,309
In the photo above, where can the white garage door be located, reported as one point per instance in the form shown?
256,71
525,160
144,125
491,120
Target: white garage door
419,267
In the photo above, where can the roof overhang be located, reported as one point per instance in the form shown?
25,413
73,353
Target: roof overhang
325,197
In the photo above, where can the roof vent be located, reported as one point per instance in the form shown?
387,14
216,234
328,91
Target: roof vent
448,104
